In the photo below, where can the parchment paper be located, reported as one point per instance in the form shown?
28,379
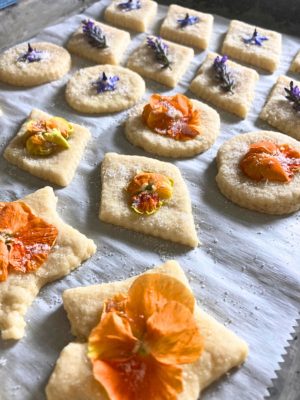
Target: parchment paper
245,274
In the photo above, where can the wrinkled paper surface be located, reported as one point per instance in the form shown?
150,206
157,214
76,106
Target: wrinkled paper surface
245,273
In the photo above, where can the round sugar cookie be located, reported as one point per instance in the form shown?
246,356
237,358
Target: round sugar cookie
56,63
83,96
139,134
265,196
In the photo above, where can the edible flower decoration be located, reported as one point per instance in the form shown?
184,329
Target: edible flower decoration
42,137
173,116
130,5
224,74
161,51
105,84
266,160
31,55
25,239
293,95
187,21
94,33
143,338
256,38
149,191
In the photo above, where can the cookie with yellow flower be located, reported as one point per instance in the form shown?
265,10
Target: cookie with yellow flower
173,126
48,147
35,248
261,171
148,196
142,339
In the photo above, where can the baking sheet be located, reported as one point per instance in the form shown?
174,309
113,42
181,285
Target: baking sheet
245,273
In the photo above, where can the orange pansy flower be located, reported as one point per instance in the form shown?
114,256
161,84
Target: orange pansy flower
143,338
266,160
149,191
172,115
25,239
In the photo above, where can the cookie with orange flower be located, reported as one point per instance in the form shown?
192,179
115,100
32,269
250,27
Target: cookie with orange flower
261,171
173,126
36,247
147,196
142,339
48,147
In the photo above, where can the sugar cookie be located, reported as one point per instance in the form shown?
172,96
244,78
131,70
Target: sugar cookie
186,26
207,86
145,61
73,374
173,221
131,14
266,196
18,291
92,92
108,51
140,134
295,67
45,62
58,167
256,46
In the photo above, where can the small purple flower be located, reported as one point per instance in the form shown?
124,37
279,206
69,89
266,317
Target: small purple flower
105,84
187,21
94,33
32,55
293,95
223,73
130,5
255,39
161,51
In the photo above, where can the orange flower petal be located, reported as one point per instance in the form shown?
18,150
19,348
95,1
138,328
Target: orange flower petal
146,203
14,216
61,124
32,245
263,147
182,104
116,304
139,378
163,189
272,169
112,339
148,293
37,126
146,112
3,261
173,336
156,99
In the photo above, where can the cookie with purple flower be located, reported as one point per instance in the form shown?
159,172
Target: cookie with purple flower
33,64
225,84
136,15
187,26
104,89
99,43
160,60
254,45
282,109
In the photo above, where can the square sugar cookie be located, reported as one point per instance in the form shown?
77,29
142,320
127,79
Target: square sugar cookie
266,56
58,167
144,62
135,19
173,221
279,112
209,88
195,35
70,250
295,67
117,41
73,377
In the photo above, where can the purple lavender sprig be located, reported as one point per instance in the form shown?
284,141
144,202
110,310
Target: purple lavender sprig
105,84
130,5
256,38
161,51
293,95
187,21
223,73
31,55
97,39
